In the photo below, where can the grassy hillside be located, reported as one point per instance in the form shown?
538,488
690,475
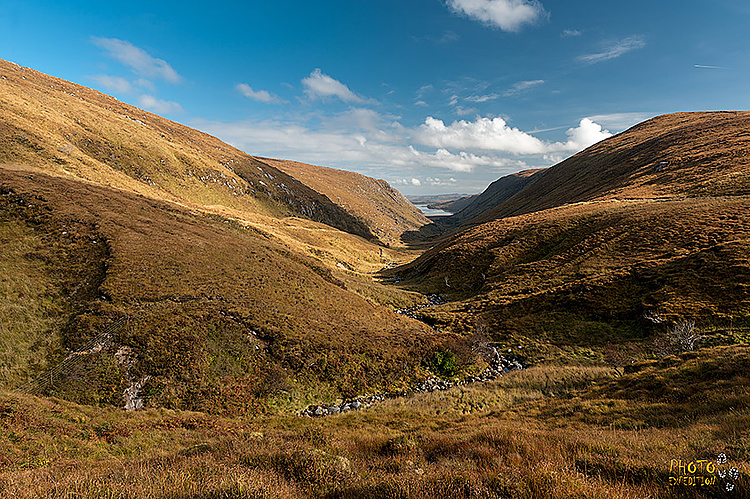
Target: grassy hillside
672,242
222,315
384,210
541,433
75,132
675,155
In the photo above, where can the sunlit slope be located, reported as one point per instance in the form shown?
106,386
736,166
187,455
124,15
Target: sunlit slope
653,221
70,130
221,314
674,155
385,211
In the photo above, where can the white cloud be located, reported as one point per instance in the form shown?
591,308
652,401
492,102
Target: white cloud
321,86
113,83
421,103
144,83
494,135
587,133
508,15
258,95
379,145
570,33
521,87
614,50
416,182
137,59
423,90
159,106
466,111
440,181
483,134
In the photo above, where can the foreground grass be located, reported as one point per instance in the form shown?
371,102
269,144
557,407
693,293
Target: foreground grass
547,432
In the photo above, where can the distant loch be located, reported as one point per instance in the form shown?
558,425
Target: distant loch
430,212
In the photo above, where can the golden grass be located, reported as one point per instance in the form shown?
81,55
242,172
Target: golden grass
31,308
521,440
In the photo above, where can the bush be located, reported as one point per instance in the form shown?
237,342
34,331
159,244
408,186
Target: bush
443,363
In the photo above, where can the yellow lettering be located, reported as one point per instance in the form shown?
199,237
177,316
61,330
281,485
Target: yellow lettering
692,468
711,467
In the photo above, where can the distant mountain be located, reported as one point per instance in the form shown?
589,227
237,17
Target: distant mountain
383,209
499,191
455,205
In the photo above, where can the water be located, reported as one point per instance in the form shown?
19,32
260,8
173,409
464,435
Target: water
429,212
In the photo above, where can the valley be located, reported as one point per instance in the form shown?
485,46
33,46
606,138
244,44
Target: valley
569,332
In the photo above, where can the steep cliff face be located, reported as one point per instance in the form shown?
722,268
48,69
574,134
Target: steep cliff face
383,209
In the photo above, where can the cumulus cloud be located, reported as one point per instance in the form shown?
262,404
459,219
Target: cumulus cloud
415,182
137,59
508,15
495,135
113,83
483,134
258,95
614,50
587,133
521,87
377,144
321,86
159,106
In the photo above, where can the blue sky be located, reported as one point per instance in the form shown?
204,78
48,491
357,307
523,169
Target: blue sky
431,95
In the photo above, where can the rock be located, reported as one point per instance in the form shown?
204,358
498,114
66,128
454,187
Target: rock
333,410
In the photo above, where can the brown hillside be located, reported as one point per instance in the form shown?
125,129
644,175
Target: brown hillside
221,314
585,274
76,132
607,236
385,211
675,155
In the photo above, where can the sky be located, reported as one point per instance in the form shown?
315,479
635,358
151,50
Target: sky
434,96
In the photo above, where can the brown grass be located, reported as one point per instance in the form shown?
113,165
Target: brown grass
587,438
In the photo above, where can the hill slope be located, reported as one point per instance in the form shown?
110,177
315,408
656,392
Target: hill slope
496,193
139,251
73,131
384,210
674,155
607,237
